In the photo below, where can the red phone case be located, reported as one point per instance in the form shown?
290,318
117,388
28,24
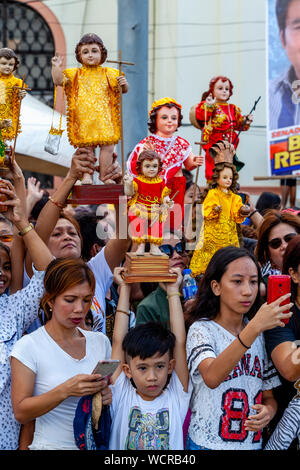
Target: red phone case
279,285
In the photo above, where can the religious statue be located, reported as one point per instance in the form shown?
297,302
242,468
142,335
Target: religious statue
93,100
164,119
219,120
222,209
149,202
12,91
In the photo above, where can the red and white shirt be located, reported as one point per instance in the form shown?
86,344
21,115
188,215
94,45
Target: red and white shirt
218,415
173,152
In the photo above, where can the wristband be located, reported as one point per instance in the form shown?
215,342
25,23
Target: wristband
243,344
252,213
173,293
123,311
26,230
57,204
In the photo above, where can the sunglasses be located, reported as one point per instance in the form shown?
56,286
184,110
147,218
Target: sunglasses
277,242
6,238
169,249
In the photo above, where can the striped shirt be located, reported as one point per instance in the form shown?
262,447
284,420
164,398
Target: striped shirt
287,429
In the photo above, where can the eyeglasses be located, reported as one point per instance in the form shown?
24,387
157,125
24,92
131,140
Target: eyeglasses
169,249
6,238
277,242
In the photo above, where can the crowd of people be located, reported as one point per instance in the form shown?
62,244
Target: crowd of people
217,372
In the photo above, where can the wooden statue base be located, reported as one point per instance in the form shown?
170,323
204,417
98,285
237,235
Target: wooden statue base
86,194
147,268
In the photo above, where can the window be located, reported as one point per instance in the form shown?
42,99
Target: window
25,31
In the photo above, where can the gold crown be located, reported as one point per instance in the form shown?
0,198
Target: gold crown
163,101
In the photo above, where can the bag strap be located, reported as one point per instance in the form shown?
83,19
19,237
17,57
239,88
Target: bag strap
54,103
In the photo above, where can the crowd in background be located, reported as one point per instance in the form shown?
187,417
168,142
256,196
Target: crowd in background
64,306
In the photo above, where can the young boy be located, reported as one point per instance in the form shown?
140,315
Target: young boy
151,386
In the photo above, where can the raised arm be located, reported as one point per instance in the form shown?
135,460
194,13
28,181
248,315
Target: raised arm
39,252
82,161
57,72
215,370
121,322
178,328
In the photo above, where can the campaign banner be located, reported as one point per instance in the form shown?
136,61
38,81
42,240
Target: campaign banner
283,87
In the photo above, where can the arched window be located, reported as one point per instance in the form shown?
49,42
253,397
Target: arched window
25,31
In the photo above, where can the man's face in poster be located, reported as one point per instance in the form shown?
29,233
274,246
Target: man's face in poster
290,36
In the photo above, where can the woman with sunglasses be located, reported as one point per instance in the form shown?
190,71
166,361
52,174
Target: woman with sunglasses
155,306
275,232
281,342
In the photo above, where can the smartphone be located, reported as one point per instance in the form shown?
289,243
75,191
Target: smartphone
106,368
244,197
279,285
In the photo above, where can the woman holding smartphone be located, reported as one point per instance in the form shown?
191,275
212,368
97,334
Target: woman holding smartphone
232,378
52,367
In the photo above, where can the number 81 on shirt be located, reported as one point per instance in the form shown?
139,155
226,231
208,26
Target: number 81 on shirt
236,409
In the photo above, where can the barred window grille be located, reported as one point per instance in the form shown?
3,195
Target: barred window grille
25,31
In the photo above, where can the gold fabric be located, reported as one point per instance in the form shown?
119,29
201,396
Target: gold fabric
9,104
93,98
218,229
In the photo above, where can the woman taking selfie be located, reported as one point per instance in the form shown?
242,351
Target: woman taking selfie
232,397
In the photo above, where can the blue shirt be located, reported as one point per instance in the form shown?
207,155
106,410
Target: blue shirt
283,112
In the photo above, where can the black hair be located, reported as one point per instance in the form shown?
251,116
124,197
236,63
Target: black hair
267,201
88,228
281,10
35,211
291,259
5,248
10,54
89,317
90,38
148,339
152,118
206,304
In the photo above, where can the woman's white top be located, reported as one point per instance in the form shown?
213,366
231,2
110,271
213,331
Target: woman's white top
53,366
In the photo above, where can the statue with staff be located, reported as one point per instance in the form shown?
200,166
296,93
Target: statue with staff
94,104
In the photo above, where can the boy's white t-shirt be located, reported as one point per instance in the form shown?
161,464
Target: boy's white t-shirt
218,415
104,279
53,366
148,425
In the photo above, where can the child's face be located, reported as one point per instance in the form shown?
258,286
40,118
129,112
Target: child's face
7,65
149,375
150,168
225,178
222,90
90,54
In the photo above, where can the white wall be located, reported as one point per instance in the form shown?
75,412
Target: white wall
190,41
196,40
78,17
